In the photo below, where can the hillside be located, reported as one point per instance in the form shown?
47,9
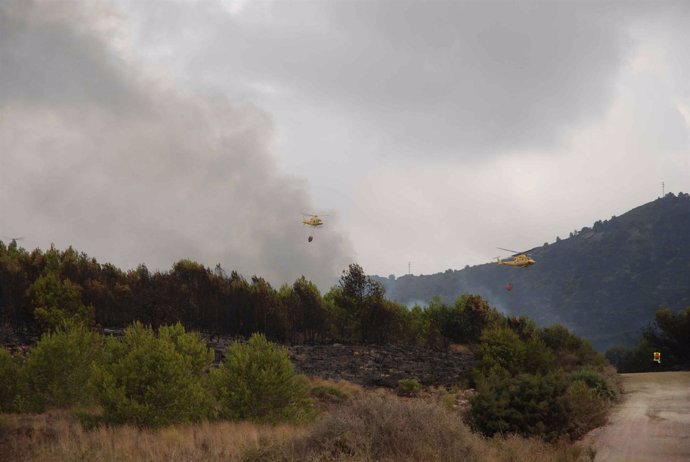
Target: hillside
603,282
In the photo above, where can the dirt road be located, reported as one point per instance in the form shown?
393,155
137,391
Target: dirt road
651,424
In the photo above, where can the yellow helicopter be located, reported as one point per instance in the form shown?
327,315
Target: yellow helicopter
520,259
314,221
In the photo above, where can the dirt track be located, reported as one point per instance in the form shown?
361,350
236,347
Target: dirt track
651,424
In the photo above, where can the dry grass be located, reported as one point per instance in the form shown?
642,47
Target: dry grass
384,428
460,348
372,425
58,436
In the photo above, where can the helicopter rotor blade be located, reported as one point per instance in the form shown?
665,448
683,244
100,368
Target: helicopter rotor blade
508,250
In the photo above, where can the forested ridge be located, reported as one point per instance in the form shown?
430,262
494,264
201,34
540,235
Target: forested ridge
605,282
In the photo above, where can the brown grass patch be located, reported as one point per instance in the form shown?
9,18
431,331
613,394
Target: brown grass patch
58,436
460,348
372,425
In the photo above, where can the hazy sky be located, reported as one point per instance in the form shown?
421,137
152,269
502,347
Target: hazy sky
430,132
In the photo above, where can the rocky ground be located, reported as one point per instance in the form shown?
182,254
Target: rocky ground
382,365
372,365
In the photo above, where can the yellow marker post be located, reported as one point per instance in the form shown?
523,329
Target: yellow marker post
657,357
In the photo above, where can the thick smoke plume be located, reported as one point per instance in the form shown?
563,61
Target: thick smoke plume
96,153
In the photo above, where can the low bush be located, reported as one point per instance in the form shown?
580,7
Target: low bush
587,409
58,370
153,380
328,394
409,387
381,428
257,381
528,405
594,381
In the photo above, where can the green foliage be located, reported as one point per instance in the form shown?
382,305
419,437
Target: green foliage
309,315
476,312
586,407
329,394
595,381
638,359
9,378
409,387
415,325
365,314
501,347
529,382
58,369
58,300
670,335
525,404
150,379
462,322
257,381
571,351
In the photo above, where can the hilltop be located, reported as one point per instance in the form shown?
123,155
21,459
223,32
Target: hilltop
604,282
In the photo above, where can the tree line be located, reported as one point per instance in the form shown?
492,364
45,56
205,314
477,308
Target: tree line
39,289
668,334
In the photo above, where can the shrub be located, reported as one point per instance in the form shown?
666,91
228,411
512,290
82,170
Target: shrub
257,381
526,404
501,348
9,376
586,408
594,381
328,394
448,401
154,380
58,369
571,351
409,387
381,428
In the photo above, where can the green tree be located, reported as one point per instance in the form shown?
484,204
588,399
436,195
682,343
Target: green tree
257,381
307,311
360,299
150,379
571,352
501,348
58,300
476,313
9,378
670,334
58,369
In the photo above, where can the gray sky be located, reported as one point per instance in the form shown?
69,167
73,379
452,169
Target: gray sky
428,131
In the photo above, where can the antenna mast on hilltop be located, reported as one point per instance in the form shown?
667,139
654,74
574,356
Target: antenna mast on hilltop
408,267
662,189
